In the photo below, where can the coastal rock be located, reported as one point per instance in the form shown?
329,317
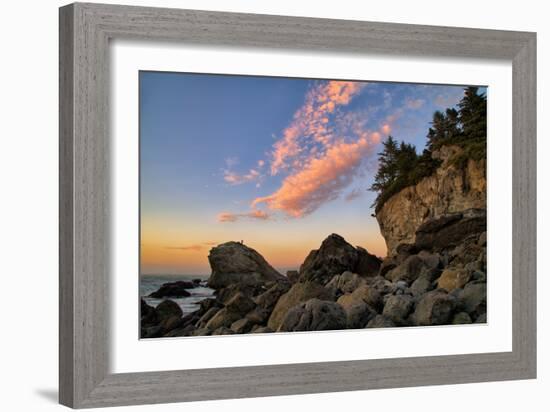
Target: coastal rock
223,331
241,326
202,332
313,315
408,271
358,313
453,279
461,318
299,292
449,231
293,276
269,298
233,262
421,286
263,329
148,314
448,191
203,320
240,304
434,308
223,317
173,289
380,321
347,282
333,257
167,309
473,299
398,308
368,265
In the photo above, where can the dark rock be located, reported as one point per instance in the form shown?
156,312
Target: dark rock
380,321
434,308
409,270
203,320
240,304
298,293
481,318
269,298
421,286
148,315
241,326
152,332
358,315
258,316
263,329
180,332
233,262
449,231
167,309
170,323
223,331
347,282
223,317
367,265
461,318
173,290
363,294
333,257
473,299
293,276
313,315
398,308
387,264
225,294
482,240
202,332
207,304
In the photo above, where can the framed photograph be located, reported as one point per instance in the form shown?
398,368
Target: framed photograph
257,205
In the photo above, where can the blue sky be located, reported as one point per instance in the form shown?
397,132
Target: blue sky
279,163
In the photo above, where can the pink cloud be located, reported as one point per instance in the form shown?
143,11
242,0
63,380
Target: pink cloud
236,179
311,121
225,217
320,180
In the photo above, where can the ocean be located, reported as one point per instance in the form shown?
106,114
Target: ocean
151,283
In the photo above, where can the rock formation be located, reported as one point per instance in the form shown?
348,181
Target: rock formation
235,263
449,191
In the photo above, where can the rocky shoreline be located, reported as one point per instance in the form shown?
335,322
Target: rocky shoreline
440,279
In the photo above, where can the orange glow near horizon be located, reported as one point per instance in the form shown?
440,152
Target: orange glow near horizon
167,250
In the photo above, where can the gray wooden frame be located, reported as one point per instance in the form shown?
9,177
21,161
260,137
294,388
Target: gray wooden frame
85,31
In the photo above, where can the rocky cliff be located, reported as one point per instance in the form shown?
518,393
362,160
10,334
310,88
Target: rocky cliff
451,190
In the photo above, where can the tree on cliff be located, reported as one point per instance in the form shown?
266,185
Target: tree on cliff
400,166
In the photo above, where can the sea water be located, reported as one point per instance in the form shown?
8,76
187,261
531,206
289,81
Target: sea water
151,283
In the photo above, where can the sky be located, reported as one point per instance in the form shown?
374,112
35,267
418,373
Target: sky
279,163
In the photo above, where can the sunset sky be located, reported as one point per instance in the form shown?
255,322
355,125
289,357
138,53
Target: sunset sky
279,163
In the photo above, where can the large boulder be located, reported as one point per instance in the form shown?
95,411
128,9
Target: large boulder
233,262
358,312
313,315
411,269
167,309
434,308
473,299
298,293
398,308
380,321
176,289
224,318
335,256
454,278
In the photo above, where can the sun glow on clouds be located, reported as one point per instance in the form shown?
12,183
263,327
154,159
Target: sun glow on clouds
321,152
321,180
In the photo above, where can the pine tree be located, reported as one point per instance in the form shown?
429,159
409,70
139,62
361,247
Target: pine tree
473,114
